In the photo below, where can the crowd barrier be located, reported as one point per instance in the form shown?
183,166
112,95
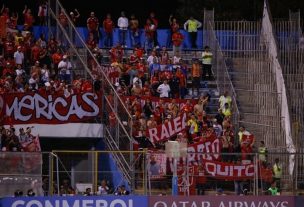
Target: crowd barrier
154,201
227,38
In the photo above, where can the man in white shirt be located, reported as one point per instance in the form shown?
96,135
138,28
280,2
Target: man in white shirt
123,25
164,90
225,98
19,56
64,68
191,26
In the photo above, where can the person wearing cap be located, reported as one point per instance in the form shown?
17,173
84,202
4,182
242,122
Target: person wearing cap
19,56
64,68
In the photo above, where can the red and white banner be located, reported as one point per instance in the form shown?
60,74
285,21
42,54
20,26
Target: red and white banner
208,149
229,171
26,108
164,131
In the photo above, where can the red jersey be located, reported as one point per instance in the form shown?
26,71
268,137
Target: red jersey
187,108
148,31
56,58
139,52
177,39
9,47
87,86
13,23
28,19
35,53
108,25
92,23
182,79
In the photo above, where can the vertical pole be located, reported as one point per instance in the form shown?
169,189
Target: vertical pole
174,178
96,171
51,174
145,175
57,168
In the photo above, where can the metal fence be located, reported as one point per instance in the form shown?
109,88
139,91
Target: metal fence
291,56
72,172
251,72
116,119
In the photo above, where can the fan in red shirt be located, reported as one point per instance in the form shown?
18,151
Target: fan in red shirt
8,70
87,86
116,53
9,48
155,23
92,25
35,52
188,107
246,145
177,39
108,26
28,19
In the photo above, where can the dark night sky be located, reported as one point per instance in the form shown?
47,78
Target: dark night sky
141,8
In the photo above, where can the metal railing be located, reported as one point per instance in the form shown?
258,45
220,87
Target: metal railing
112,103
71,172
220,69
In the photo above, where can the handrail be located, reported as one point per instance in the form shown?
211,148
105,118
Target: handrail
226,69
92,55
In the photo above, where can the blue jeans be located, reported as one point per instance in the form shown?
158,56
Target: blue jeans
123,36
132,73
66,78
135,38
108,40
149,43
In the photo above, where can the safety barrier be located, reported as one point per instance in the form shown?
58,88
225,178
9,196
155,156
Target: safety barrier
204,171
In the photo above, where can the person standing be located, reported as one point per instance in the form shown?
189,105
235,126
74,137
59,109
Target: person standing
207,63
134,27
191,26
123,24
42,14
92,25
177,39
164,90
19,56
74,17
155,23
108,26
196,77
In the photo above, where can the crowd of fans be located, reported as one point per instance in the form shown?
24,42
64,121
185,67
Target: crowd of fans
39,65
13,141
